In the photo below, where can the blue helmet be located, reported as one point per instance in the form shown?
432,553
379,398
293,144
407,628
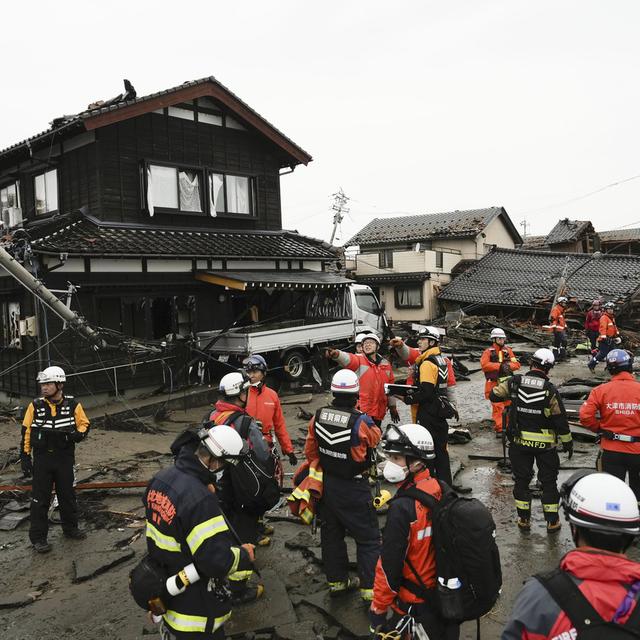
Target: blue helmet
255,362
619,360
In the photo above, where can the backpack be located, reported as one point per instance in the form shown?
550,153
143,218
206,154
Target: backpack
588,623
469,576
255,485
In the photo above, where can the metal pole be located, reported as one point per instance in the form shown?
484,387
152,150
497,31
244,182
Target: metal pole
8,262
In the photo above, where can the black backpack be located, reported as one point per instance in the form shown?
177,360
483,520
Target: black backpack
588,623
469,576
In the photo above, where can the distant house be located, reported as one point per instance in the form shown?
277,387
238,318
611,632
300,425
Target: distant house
509,279
571,236
164,211
408,259
626,241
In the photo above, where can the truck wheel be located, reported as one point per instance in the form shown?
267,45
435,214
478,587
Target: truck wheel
295,364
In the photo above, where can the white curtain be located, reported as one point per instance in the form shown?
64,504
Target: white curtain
189,191
149,192
216,194
409,296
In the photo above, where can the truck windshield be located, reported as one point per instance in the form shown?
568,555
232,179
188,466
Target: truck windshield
329,304
367,302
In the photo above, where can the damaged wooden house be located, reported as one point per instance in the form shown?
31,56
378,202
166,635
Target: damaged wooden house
408,259
160,215
522,283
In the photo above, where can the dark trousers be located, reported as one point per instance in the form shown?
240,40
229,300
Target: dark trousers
593,337
548,463
49,469
620,464
167,633
439,430
604,346
347,505
560,343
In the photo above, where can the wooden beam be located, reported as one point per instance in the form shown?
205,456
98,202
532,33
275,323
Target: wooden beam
223,282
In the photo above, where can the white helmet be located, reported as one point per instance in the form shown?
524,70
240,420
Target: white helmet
360,337
222,441
562,300
366,336
51,374
498,333
601,502
544,358
431,333
345,381
409,440
233,384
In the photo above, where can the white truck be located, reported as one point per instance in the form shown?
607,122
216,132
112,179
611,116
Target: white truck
332,317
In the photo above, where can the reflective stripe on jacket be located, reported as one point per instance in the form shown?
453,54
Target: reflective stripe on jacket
608,327
492,360
558,322
618,403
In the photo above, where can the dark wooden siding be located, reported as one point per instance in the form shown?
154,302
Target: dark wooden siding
124,146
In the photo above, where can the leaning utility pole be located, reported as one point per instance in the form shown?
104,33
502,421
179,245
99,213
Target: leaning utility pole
8,262
340,207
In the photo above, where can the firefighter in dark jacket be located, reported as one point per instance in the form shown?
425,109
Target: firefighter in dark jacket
431,375
231,410
342,440
613,411
603,515
51,427
537,421
406,542
185,525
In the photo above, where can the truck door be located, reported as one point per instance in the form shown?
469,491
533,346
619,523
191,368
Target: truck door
367,312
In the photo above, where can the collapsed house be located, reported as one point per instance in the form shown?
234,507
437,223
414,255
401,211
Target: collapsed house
515,282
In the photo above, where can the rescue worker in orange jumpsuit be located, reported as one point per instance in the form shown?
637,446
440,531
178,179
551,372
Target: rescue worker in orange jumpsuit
559,328
613,411
264,405
592,324
409,355
498,362
373,372
609,335
407,545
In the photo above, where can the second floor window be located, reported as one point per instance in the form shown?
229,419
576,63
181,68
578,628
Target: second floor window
174,188
45,187
231,194
385,259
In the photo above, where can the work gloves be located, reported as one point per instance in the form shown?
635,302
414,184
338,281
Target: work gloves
567,447
377,622
332,354
293,460
395,416
76,436
505,369
26,465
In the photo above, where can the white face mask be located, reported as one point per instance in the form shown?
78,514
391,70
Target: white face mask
394,473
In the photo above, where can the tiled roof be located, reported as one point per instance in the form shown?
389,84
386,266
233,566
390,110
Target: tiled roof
513,277
533,242
568,231
85,236
453,224
620,235
75,121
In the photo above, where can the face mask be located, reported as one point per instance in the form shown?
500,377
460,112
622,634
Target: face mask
217,475
394,473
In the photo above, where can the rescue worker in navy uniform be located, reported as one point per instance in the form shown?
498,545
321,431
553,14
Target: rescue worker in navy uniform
537,421
231,410
431,375
185,525
342,439
603,515
407,545
51,427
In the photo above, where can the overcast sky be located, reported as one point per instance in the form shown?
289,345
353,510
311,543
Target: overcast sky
410,107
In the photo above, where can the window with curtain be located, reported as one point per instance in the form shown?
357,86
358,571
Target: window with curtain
174,188
408,296
45,187
231,194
